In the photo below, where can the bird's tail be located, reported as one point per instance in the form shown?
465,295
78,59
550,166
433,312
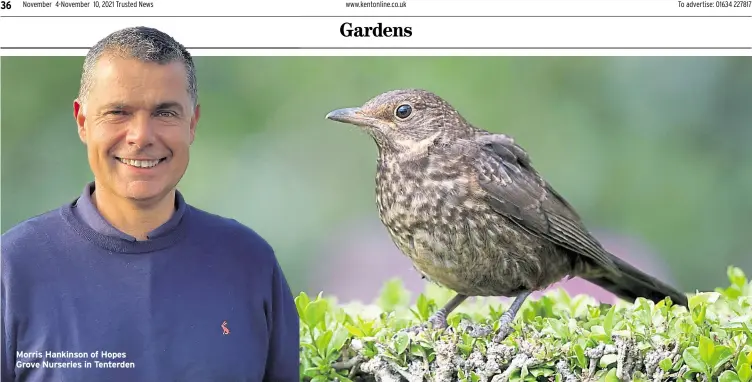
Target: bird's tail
629,283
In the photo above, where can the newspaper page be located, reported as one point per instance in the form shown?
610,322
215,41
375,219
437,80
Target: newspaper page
376,190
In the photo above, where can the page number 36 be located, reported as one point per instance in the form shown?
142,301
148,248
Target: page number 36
5,4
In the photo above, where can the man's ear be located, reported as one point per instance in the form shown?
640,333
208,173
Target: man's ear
194,121
79,114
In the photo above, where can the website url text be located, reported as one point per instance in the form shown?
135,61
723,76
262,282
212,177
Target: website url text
376,4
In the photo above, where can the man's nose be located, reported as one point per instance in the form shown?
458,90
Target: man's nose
141,131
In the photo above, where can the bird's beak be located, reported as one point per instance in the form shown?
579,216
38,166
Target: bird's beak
352,115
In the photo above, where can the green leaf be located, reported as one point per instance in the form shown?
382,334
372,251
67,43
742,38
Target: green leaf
524,372
721,355
706,350
699,314
728,376
401,342
465,349
322,342
342,378
338,339
422,305
311,372
315,313
393,294
557,327
309,346
740,361
607,360
301,302
665,364
417,350
608,322
611,376
693,359
580,353
461,375
736,276
745,373
598,334
367,326
354,330
541,372
703,298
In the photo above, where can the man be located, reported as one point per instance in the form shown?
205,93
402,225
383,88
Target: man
129,282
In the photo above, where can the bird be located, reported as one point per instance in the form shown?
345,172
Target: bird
473,215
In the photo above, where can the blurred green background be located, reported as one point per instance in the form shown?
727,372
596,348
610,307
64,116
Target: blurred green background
655,149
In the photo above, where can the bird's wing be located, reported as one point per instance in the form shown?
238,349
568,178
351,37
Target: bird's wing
514,189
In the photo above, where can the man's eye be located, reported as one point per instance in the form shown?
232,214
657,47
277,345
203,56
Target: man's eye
165,113
115,112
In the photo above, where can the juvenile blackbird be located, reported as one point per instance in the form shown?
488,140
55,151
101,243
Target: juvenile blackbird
473,215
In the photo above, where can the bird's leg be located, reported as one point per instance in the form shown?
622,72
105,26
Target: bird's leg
505,327
438,320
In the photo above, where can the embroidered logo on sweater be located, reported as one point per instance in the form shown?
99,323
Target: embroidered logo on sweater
225,329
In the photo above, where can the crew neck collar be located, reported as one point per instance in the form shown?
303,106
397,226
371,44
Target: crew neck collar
84,217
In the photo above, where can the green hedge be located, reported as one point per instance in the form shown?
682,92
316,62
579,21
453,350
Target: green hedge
556,338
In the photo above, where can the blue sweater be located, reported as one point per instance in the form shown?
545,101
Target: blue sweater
204,299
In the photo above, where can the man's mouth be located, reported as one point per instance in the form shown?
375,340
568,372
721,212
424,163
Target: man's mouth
141,163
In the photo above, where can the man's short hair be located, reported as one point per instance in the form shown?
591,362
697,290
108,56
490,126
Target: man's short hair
143,44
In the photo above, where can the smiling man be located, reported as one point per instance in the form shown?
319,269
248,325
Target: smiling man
128,282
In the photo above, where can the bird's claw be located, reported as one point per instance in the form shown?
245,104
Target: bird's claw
504,331
475,330
416,329
435,322
438,321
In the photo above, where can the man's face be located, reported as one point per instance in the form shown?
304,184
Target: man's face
137,123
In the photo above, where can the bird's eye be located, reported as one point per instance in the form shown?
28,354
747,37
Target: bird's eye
403,111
